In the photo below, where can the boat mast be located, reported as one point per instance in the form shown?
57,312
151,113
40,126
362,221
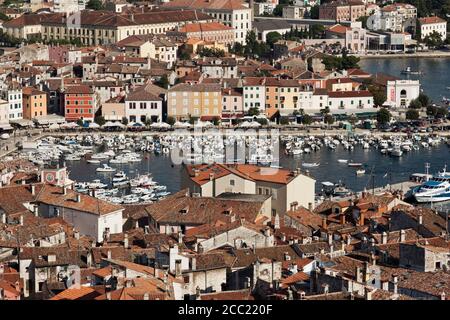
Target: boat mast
427,167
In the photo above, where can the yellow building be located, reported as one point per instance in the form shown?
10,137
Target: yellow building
194,100
34,103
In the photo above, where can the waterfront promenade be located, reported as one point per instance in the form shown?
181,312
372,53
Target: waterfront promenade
428,54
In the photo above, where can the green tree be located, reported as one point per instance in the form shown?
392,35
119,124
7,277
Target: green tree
363,20
379,94
80,122
383,116
124,121
284,120
215,121
262,121
253,111
441,112
100,120
148,122
272,37
163,82
170,120
328,119
412,114
307,119
211,52
424,100
415,104
314,12
94,5
433,40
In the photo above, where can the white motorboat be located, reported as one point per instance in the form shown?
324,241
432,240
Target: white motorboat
342,160
354,164
360,172
436,189
105,168
310,165
93,161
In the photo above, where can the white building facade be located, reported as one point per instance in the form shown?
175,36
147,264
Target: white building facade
400,93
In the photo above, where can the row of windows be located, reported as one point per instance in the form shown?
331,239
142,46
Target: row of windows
79,110
143,105
76,102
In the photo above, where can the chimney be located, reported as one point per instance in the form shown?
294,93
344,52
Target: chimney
283,237
125,241
324,223
443,295
76,235
359,277
89,259
177,267
36,210
193,264
197,292
349,240
276,221
180,237
33,189
108,295
402,235
146,297
330,239
109,254
395,282
21,220
420,219
342,218
64,190
384,237
78,199
310,206
361,219
368,293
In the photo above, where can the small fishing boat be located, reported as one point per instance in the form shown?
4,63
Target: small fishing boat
360,172
342,160
311,165
354,164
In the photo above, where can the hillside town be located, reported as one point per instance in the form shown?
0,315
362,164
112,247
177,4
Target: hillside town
98,97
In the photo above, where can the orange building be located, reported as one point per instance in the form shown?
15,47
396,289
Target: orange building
34,103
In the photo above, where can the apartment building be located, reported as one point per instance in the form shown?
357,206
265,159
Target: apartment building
286,187
349,101
397,17
100,27
142,105
354,38
194,100
13,94
254,92
211,31
34,103
69,6
79,103
429,25
342,10
233,13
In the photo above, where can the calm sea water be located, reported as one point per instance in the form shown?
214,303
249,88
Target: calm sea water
435,77
397,169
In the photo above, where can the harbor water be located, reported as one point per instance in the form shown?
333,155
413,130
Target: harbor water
434,77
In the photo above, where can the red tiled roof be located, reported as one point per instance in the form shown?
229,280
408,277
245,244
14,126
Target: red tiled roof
431,20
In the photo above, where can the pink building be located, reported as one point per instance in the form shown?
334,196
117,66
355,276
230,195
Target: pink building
232,104
342,10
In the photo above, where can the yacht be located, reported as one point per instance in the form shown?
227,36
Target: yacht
120,179
435,189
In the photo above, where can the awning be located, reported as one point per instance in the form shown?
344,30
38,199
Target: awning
22,122
6,126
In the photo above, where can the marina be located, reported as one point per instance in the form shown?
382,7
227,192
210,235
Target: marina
139,169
